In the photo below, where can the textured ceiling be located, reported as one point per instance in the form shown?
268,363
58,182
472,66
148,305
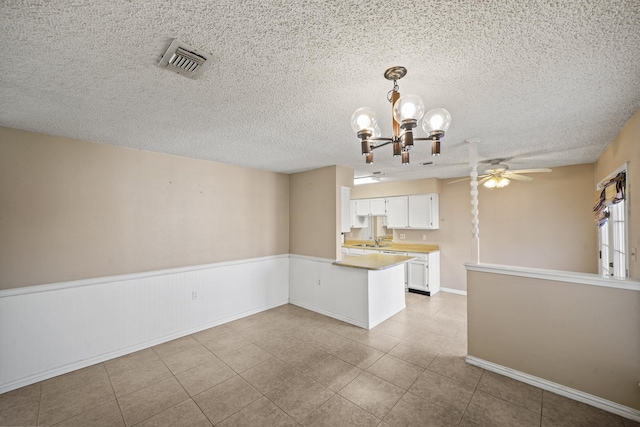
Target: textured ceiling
541,83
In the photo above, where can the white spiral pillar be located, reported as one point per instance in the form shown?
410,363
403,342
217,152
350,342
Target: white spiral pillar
475,229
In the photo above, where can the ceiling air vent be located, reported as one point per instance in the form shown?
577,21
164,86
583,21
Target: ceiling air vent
185,60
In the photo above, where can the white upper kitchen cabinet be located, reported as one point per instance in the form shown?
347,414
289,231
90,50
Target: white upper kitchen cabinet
397,212
424,212
378,206
363,207
345,217
356,221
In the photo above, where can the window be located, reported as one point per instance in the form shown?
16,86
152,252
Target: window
612,231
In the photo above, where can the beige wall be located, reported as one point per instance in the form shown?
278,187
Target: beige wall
545,223
314,212
581,336
626,148
72,209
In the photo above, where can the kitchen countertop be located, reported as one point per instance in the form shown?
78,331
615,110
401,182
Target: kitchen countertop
393,246
372,261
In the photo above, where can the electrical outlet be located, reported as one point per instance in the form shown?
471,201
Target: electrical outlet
350,234
194,295
424,237
402,236
319,282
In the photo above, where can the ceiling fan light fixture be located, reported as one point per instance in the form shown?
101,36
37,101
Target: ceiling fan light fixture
491,183
407,111
502,182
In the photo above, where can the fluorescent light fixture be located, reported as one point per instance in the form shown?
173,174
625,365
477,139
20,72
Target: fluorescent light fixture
366,180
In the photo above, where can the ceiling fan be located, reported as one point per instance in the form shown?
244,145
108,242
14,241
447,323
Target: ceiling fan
498,175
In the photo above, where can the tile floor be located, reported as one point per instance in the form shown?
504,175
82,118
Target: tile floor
289,366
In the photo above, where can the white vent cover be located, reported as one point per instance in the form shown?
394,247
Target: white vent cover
185,60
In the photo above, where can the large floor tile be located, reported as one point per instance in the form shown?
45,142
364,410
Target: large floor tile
211,334
561,411
106,415
338,411
175,346
130,361
396,371
303,356
260,413
300,396
246,357
413,353
226,398
20,407
443,391
513,391
145,403
373,394
275,342
225,343
348,330
358,354
414,411
456,368
269,374
488,410
187,359
125,382
185,414
56,407
379,340
74,380
333,373
203,377
327,341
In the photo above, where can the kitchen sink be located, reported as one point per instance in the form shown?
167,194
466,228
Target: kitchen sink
371,245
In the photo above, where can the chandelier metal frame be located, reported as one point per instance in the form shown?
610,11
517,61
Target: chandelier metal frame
406,112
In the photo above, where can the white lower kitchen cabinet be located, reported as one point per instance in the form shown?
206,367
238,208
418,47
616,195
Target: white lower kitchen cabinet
424,273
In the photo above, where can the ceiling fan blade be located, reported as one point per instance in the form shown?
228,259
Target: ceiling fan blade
536,170
458,180
464,179
518,177
485,179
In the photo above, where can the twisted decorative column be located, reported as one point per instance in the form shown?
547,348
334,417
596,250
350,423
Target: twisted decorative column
475,229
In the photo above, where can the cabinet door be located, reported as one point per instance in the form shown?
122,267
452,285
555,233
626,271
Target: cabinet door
363,207
433,281
423,211
418,275
378,207
397,212
356,221
345,209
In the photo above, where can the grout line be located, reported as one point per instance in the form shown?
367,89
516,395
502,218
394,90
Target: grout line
114,394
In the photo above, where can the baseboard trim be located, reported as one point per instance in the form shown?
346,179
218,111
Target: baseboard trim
580,396
123,352
454,291
329,314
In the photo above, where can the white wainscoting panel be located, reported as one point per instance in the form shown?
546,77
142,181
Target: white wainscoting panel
49,330
318,285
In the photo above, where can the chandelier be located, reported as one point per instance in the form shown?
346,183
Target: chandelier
407,110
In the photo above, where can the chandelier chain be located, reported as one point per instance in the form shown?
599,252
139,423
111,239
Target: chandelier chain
395,89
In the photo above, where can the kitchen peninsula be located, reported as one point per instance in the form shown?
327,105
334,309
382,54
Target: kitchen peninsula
376,288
